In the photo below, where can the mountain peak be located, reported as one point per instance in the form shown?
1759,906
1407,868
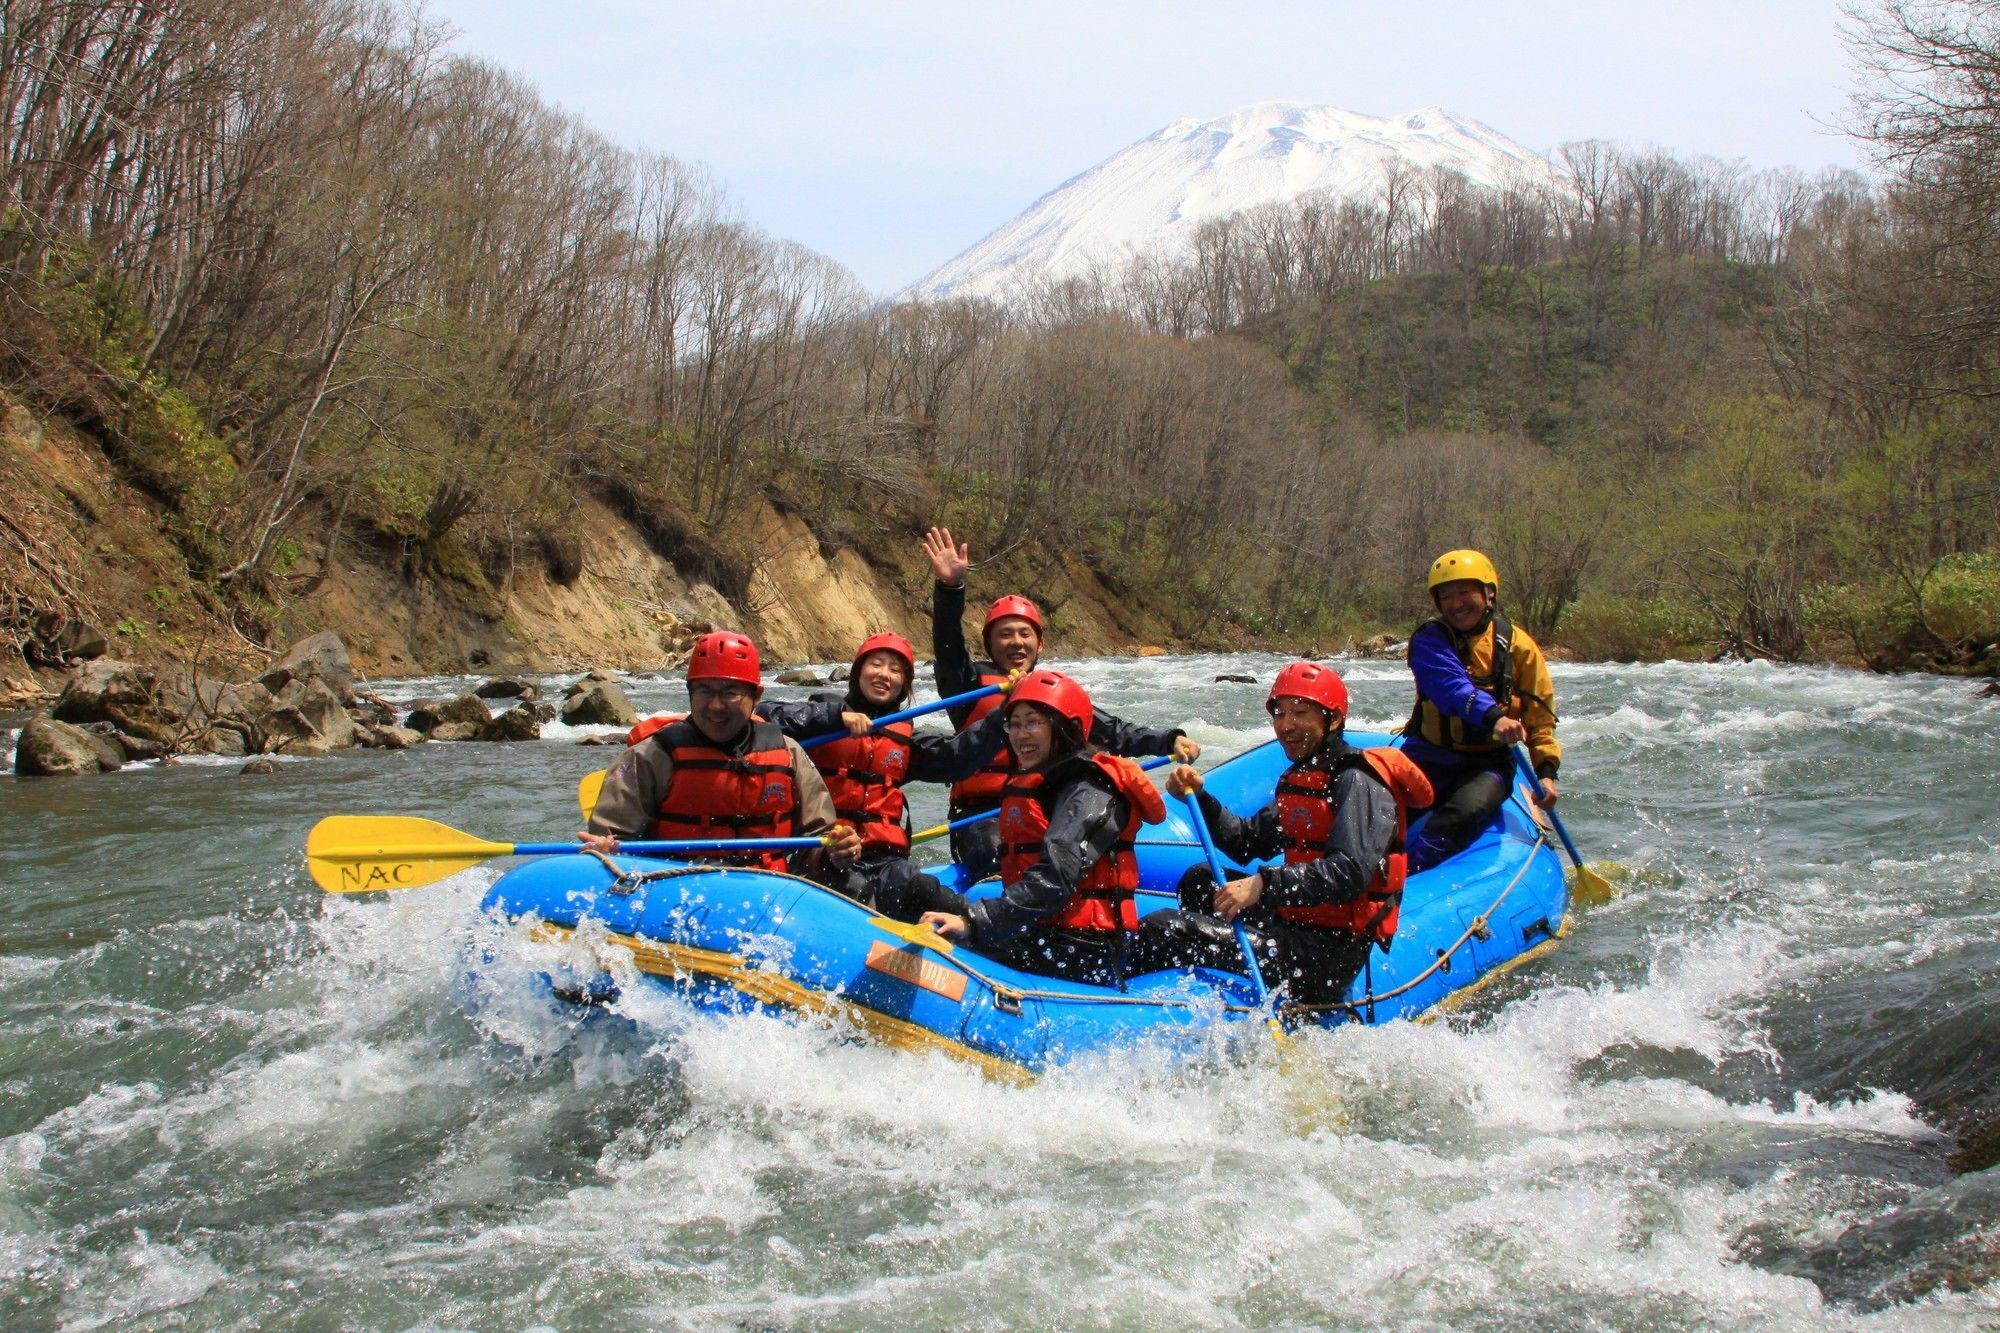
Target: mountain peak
1151,196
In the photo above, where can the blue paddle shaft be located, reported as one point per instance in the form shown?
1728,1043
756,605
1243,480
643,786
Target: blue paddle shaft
922,710
1535,785
1255,973
668,848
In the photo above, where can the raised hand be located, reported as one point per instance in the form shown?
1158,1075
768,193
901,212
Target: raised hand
948,562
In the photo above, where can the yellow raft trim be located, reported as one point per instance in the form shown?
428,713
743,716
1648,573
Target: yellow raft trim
677,962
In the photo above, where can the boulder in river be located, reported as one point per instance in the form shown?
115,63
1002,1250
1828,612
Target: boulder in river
259,766
49,748
469,709
589,678
838,674
799,676
307,717
506,687
1234,679
320,656
397,738
1150,650
456,731
130,697
602,703
518,723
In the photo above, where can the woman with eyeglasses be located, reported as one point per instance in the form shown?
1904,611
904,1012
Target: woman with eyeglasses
722,773
1069,815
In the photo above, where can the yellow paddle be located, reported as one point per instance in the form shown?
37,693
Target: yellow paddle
588,790
374,853
1587,886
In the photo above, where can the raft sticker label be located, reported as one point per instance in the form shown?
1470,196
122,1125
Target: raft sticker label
910,965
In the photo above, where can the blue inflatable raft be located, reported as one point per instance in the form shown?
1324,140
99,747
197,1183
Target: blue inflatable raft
732,938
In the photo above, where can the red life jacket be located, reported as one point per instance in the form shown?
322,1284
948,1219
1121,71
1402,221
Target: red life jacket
865,778
717,795
1305,824
982,791
1102,899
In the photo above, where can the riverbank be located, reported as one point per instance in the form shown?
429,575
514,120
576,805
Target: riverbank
96,565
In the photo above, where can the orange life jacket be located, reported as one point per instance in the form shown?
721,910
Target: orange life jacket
865,778
1305,824
646,726
982,791
1102,898
717,795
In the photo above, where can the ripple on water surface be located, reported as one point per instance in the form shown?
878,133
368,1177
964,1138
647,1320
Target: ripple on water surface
1731,1096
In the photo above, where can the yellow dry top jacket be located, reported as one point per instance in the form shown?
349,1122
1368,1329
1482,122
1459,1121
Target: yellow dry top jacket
1524,682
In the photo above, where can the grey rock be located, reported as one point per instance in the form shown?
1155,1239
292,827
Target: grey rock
256,766
398,738
545,711
455,731
106,690
505,688
1234,679
307,717
320,656
589,678
516,724
603,703
84,641
466,708
799,676
600,740
839,673
49,748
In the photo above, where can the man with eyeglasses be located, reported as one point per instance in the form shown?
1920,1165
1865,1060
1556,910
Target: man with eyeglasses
722,773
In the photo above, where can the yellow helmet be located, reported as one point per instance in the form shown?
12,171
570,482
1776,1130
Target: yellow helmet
1455,565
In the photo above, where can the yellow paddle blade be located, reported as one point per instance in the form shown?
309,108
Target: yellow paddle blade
936,831
372,853
1590,887
911,933
588,790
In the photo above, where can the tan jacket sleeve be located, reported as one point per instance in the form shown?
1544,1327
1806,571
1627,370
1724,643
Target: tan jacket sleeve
630,800
815,814
1537,695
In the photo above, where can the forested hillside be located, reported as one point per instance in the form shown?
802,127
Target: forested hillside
349,321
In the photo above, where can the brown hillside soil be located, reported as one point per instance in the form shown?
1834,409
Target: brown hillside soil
76,536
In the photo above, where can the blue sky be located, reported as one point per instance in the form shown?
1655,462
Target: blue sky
890,136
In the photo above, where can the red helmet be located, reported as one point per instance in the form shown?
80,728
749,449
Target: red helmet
1055,692
725,655
1013,604
1312,682
890,643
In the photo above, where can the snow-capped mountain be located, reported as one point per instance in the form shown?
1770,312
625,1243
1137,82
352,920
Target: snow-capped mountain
1152,195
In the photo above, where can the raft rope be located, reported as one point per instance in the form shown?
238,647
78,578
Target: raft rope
627,881
1478,928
